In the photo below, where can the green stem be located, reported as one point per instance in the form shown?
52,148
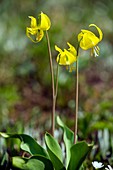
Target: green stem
76,104
53,86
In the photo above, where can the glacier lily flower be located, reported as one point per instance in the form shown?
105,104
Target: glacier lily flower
36,30
66,57
97,165
88,40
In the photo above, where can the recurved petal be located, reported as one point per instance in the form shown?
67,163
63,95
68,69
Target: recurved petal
99,31
35,35
39,36
72,49
31,31
58,49
33,22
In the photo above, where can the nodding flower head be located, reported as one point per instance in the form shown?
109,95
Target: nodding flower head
66,57
88,40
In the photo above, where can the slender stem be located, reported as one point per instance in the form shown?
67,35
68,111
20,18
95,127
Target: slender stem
76,103
56,89
53,85
54,100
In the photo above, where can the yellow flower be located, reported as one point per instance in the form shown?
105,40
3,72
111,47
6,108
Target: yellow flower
66,57
88,40
36,30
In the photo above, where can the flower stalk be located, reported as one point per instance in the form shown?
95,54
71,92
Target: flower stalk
76,104
76,97
53,85
57,73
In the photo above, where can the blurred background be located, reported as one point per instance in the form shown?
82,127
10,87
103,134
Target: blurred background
25,80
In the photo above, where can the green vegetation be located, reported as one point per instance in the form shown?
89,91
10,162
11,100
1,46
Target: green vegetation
25,80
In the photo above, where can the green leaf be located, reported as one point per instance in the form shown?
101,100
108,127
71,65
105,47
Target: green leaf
54,151
28,144
32,162
27,164
48,164
68,137
79,152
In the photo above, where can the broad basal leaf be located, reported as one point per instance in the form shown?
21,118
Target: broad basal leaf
27,164
54,151
28,144
79,152
68,137
32,162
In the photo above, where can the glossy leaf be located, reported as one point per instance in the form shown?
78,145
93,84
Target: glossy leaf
28,144
68,137
32,161
27,164
79,152
54,151
48,164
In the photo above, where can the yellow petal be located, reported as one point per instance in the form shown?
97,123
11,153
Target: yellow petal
99,31
70,57
32,31
89,40
61,58
40,35
44,21
29,33
80,36
58,49
33,22
72,49
35,35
